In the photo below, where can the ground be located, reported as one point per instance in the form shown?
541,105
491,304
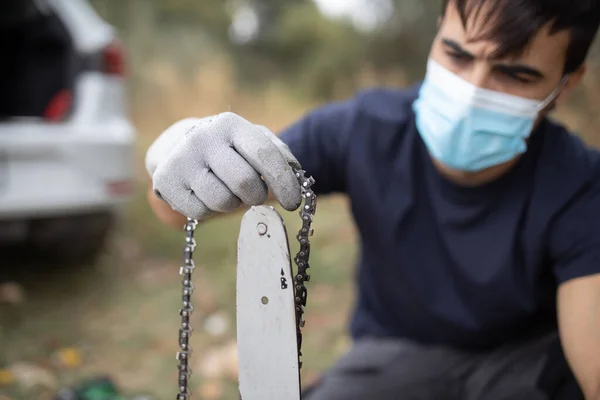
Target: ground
119,316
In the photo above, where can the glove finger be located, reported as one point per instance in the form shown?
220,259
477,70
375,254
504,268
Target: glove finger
266,158
239,176
284,148
162,146
213,192
178,195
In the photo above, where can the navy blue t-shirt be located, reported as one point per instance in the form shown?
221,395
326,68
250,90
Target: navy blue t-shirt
470,267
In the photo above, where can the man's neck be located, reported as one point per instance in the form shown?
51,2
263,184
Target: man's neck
473,179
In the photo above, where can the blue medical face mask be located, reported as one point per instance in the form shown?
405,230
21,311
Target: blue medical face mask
469,128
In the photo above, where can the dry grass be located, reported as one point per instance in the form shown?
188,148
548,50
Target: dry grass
166,97
121,314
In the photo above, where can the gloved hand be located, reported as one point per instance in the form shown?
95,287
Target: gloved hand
209,165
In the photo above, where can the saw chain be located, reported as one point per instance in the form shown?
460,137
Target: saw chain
307,212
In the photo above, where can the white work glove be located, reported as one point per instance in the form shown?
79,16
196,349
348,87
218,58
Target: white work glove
209,165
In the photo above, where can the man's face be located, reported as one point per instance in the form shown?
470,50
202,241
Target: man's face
535,74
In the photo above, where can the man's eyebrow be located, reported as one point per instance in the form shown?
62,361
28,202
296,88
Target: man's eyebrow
513,69
519,69
457,47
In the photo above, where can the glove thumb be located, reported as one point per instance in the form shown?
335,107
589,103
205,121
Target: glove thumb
160,149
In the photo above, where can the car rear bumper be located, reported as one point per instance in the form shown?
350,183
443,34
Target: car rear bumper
61,170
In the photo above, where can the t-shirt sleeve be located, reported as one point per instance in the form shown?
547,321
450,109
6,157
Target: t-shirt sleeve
575,237
319,141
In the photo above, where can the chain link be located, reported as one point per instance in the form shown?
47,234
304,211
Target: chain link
307,213
185,331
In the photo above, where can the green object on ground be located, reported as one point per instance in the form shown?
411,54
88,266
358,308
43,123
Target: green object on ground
99,390
95,389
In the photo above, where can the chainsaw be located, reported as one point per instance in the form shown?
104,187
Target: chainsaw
270,301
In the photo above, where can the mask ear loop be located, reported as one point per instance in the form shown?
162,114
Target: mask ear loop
554,94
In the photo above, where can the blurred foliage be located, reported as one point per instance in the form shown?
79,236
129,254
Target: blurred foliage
287,40
292,41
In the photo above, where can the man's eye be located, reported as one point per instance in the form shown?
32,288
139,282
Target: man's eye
515,77
459,57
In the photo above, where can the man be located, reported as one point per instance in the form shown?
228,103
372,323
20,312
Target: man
479,218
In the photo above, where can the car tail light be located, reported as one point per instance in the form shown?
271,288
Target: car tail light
119,188
113,59
59,106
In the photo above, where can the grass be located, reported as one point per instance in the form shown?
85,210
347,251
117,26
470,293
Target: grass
121,313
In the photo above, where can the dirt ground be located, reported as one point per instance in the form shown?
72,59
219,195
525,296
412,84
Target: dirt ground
119,317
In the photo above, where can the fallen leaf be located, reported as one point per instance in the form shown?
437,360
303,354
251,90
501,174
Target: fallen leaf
155,273
6,377
309,378
68,357
220,362
204,297
209,366
317,320
212,390
216,324
31,375
231,360
12,293
342,345
322,294
129,249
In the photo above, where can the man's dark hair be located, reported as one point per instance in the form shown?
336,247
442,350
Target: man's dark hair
513,23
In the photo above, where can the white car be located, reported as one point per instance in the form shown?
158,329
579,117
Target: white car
66,142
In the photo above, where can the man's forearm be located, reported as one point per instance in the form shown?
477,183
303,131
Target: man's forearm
163,211
579,324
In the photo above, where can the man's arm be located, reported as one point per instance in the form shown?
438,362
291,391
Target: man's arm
163,211
579,325
318,141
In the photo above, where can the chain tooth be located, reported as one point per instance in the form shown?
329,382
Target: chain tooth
185,331
306,213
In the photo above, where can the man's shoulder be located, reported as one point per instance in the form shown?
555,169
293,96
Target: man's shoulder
387,105
567,153
374,105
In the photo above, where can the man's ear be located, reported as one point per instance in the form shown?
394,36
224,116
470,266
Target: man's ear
573,80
